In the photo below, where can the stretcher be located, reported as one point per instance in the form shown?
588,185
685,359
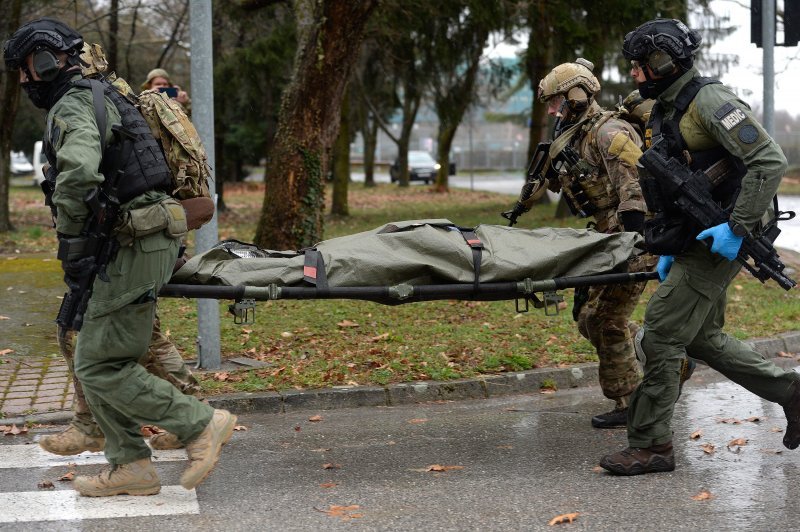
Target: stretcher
412,261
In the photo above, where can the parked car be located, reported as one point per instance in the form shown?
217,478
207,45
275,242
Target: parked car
39,159
421,167
20,165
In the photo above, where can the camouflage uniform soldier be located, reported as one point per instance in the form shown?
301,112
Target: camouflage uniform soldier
118,322
699,122
603,184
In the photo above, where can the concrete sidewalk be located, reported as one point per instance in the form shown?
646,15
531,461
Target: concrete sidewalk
39,390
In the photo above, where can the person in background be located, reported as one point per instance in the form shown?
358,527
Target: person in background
158,79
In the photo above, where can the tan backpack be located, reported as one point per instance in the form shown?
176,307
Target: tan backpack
180,141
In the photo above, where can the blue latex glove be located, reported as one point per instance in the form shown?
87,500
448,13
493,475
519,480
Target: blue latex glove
725,242
663,266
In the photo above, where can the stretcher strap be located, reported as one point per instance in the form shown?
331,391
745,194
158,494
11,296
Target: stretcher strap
477,248
314,269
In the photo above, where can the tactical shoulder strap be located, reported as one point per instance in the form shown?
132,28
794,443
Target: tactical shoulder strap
99,102
682,101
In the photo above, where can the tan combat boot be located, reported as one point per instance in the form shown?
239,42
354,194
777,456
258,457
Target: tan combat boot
164,441
136,478
71,441
204,450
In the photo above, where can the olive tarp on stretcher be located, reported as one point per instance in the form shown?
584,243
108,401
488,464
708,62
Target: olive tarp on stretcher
410,261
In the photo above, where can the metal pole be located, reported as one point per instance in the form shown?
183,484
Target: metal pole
471,160
768,40
208,335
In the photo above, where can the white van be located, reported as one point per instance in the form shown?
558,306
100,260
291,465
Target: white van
38,160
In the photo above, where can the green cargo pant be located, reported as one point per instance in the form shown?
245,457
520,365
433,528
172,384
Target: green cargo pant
603,320
115,336
687,312
162,360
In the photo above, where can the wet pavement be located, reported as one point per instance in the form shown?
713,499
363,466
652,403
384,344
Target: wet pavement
509,463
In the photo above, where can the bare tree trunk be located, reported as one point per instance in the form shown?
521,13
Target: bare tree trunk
370,134
329,36
9,91
341,162
113,30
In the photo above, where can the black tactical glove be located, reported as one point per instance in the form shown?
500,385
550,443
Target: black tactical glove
632,221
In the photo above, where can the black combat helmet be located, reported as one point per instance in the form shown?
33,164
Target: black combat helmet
666,35
41,33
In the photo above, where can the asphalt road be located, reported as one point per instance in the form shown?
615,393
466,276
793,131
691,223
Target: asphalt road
508,464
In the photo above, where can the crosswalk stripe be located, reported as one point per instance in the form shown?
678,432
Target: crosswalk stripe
65,505
23,456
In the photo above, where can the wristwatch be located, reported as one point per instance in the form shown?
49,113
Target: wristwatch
737,229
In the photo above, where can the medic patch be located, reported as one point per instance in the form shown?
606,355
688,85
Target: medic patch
732,119
748,134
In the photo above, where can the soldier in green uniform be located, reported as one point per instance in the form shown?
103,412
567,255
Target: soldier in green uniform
162,359
118,322
700,123
603,185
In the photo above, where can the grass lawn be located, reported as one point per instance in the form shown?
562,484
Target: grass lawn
337,342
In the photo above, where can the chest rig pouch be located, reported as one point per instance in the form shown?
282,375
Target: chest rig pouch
669,232
146,168
586,189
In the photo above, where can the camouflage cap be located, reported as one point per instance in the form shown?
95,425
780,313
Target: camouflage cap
155,73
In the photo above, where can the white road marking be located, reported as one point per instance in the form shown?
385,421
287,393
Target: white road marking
67,505
26,456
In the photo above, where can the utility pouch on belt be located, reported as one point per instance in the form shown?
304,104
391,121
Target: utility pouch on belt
167,215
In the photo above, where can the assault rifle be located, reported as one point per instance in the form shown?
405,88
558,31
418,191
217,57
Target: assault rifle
692,193
540,168
86,256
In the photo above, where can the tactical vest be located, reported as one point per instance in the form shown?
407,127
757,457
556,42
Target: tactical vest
671,232
588,190
146,168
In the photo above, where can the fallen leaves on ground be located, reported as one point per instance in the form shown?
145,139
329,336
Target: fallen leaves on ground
704,495
736,445
384,336
328,485
754,419
240,427
729,421
331,465
4,352
4,318
343,512
45,485
348,323
418,420
563,518
784,354
771,451
708,448
13,430
315,419
150,430
69,476
438,468
696,434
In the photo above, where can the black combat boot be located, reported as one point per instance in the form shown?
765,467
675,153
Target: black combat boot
635,461
791,439
616,418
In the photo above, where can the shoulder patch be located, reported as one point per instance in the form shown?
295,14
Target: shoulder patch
724,110
748,134
732,119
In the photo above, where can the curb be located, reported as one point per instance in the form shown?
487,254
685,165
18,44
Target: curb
485,387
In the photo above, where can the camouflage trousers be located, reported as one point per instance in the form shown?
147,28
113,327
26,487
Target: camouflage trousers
162,360
604,321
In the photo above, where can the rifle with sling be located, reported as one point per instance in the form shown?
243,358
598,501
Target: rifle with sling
540,170
692,196
86,256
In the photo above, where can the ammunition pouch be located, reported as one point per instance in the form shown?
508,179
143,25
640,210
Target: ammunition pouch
669,235
167,215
